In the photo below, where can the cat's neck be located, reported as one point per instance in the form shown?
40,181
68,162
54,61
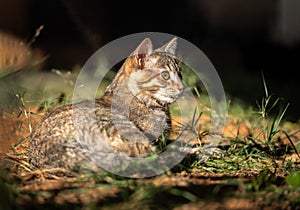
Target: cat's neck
145,114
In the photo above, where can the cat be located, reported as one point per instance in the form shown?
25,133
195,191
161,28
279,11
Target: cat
130,119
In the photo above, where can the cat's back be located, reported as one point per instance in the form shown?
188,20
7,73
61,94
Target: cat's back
64,120
55,138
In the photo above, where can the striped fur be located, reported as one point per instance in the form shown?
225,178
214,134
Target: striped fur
128,119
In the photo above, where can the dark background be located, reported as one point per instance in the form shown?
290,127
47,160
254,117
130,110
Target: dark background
241,38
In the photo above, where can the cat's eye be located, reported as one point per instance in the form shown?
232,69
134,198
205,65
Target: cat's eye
165,75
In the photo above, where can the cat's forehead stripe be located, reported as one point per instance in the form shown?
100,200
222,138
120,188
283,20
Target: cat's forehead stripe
170,62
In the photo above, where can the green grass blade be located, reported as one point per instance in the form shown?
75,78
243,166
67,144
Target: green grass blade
290,140
265,85
276,122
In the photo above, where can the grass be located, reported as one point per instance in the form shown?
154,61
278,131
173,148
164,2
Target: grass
258,165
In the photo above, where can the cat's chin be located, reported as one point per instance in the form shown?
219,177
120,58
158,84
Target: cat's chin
167,99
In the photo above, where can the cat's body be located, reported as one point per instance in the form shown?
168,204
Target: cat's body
129,119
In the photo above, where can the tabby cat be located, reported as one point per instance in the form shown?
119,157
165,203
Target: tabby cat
129,119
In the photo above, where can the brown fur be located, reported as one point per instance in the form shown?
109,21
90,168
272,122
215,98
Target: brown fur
129,119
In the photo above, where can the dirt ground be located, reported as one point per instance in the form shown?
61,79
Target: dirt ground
26,187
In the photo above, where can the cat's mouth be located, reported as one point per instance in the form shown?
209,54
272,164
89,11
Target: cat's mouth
175,93
170,96
163,97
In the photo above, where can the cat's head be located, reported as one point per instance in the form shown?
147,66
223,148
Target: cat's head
154,75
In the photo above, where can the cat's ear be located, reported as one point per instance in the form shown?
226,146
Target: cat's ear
140,53
144,48
170,47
